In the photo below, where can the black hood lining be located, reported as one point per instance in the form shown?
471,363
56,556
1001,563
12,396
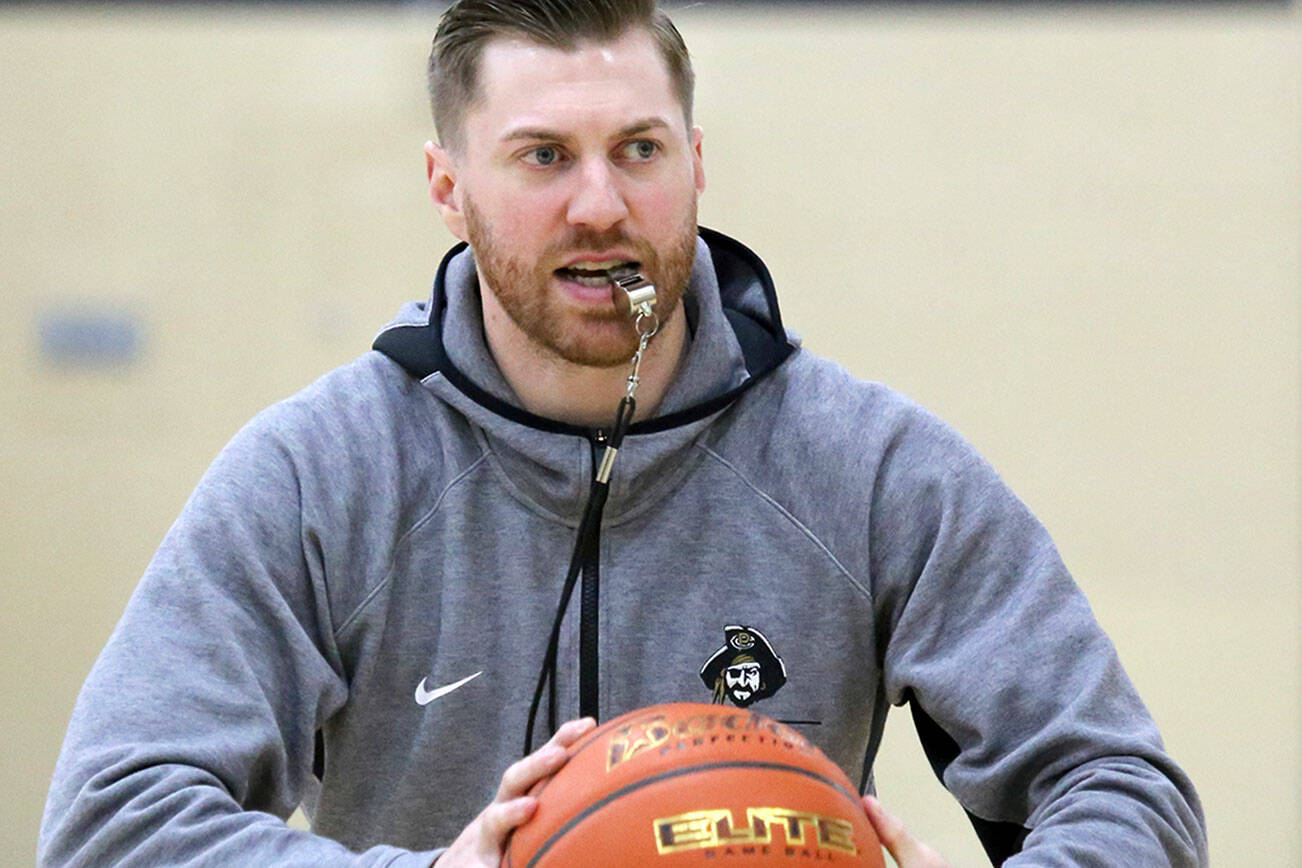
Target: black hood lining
419,348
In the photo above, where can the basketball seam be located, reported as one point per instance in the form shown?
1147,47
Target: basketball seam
673,773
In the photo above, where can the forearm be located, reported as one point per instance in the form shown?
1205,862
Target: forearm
175,814
1118,811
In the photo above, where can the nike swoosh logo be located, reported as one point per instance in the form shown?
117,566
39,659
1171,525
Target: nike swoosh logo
425,697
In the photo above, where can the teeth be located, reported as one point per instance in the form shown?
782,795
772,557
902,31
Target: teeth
596,266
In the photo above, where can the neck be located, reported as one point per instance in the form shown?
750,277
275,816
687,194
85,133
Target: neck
550,386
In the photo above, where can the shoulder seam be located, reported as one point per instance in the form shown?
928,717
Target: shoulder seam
416,525
786,513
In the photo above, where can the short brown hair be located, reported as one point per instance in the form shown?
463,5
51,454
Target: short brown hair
468,25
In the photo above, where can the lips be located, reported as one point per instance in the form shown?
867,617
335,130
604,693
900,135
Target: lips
598,258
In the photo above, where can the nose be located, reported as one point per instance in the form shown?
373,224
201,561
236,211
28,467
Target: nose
597,202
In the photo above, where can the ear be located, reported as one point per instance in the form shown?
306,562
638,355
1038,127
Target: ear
698,162
441,171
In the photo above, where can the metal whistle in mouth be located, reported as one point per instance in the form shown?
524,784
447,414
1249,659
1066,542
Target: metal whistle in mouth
633,294
634,297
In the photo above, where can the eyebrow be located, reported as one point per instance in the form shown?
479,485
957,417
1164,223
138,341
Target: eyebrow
533,133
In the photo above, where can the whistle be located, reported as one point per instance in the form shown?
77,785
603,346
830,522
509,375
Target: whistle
633,294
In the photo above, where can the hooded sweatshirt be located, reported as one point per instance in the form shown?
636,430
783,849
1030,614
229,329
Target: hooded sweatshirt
351,611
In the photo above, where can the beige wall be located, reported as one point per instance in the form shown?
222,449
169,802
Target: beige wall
1072,233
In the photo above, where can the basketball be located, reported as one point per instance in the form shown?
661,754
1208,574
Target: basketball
690,784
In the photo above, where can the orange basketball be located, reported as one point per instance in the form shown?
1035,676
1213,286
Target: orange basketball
687,784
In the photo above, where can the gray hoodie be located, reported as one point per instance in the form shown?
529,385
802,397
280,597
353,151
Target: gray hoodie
782,536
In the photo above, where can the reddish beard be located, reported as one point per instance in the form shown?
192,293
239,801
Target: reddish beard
599,338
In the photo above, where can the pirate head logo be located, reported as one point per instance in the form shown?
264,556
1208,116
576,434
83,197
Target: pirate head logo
745,670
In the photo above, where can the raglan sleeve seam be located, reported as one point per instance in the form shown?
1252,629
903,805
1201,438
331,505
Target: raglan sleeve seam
791,518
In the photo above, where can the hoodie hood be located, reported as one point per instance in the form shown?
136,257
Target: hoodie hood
736,338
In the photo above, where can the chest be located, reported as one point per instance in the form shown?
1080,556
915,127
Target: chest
710,595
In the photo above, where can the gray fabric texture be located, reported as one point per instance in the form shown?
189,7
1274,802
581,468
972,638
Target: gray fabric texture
374,533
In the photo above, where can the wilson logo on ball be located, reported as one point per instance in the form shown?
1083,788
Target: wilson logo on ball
703,830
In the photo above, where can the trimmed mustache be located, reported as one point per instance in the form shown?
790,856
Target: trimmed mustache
585,240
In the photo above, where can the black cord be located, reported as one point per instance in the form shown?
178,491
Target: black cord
588,527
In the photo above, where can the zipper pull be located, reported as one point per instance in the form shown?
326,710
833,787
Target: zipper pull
622,420
600,451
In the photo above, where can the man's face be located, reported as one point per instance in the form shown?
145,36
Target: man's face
574,161
742,680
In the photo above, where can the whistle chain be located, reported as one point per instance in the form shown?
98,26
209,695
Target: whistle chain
646,325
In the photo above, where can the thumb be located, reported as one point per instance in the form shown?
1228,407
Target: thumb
906,850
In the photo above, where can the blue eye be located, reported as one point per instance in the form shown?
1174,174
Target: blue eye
641,149
545,155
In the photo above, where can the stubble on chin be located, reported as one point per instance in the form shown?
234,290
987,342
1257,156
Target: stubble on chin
597,338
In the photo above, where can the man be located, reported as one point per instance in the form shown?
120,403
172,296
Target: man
404,523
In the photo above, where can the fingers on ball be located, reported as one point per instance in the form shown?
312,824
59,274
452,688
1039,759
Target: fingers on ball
524,773
572,730
500,818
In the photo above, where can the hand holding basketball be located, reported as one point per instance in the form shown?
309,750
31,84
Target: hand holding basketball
480,844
